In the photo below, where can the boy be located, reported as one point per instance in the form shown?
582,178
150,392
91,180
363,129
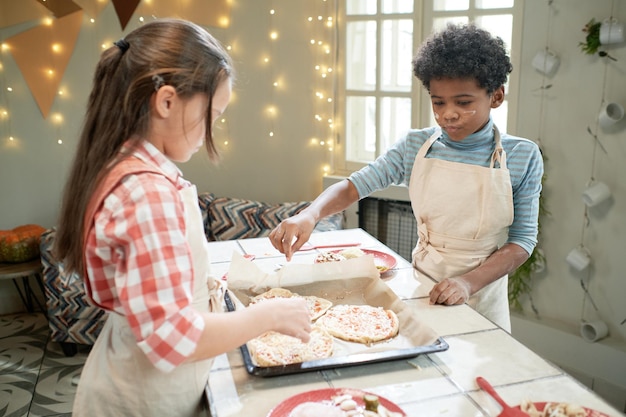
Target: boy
474,192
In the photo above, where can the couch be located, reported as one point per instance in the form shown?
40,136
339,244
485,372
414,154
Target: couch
74,320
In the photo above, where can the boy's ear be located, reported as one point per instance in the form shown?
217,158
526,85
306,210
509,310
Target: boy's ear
163,100
497,97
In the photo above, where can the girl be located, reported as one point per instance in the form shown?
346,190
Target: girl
132,226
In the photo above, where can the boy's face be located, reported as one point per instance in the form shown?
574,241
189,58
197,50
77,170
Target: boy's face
461,107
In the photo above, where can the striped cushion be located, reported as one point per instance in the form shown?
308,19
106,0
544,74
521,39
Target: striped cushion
205,200
72,316
233,218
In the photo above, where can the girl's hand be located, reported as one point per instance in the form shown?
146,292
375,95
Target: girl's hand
450,291
288,316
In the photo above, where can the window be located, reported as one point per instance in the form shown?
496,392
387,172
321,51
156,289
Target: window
379,99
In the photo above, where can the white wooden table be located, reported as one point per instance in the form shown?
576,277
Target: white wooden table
433,384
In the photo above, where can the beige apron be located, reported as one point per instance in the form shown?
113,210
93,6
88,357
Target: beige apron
463,213
118,379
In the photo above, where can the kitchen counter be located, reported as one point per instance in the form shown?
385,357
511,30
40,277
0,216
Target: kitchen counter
432,384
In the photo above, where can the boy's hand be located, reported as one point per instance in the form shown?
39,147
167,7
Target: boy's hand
450,291
292,233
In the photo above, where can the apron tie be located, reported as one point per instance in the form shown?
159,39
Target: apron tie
424,246
216,294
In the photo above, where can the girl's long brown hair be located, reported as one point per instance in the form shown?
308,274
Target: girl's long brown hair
186,57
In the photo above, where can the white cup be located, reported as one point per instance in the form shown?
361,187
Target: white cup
610,114
578,258
596,193
546,62
611,31
592,331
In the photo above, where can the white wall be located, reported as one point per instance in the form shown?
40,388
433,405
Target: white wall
287,167
33,167
560,119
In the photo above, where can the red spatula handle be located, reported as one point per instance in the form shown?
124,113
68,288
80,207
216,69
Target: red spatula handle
482,382
507,411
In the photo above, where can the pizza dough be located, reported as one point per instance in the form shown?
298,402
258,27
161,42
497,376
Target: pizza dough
329,257
317,305
342,255
354,323
274,349
360,323
272,293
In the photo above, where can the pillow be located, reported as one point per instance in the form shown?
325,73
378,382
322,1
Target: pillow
205,200
233,218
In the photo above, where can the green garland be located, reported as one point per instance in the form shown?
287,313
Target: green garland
592,40
520,280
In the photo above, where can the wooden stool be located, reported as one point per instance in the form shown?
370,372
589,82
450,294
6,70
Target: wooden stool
25,270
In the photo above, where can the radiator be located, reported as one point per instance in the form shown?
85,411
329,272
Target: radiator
391,222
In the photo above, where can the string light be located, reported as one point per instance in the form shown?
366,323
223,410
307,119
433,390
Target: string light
5,115
322,29
271,109
58,50
321,25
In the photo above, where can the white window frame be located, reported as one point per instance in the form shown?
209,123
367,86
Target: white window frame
421,114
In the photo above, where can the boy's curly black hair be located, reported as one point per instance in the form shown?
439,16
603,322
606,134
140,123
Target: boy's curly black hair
463,51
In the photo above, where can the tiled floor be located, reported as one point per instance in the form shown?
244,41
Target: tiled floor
36,378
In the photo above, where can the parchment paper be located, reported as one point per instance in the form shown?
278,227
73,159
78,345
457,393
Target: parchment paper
353,281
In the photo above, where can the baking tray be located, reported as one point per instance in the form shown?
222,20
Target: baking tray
438,345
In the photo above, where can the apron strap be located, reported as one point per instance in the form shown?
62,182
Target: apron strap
499,155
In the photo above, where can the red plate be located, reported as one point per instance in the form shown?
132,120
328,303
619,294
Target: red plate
590,413
327,394
383,261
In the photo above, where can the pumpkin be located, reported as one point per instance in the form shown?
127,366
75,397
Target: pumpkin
20,244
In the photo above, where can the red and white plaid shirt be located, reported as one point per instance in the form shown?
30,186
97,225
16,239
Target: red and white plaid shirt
139,262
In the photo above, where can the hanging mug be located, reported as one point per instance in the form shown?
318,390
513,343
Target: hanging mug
610,114
546,62
578,258
592,331
611,31
596,193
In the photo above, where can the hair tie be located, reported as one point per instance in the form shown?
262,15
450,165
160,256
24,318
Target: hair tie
122,44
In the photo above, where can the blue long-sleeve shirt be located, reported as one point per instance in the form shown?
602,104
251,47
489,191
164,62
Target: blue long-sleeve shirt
524,162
